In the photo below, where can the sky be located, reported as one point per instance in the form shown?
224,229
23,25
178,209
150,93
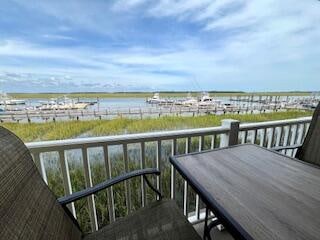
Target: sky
160,45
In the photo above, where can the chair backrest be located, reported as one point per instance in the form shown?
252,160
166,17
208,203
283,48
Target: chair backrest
28,209
310,150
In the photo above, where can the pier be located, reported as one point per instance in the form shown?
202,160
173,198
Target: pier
153,112
258,99
272,99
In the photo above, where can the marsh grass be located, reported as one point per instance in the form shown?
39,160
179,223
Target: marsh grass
29,132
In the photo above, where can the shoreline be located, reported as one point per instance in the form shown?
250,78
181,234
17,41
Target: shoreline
150,94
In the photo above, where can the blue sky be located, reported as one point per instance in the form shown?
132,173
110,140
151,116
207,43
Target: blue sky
144,45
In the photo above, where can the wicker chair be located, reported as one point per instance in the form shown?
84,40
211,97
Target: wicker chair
29,210
309,151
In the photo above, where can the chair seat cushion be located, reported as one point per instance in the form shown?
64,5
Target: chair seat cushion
161,220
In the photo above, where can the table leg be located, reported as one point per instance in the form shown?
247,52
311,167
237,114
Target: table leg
207,228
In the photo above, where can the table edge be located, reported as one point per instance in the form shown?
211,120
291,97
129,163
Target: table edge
234,228
246,144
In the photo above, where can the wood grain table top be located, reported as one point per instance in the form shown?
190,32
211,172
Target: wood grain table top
255,192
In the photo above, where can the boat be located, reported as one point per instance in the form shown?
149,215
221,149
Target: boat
89,102
203,100
189,101
63,103
5,100
157,100
228,106
311,105
206,100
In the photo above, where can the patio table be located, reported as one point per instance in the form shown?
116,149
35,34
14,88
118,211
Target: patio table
256,193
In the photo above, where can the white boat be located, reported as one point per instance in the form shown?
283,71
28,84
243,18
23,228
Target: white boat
228,106
206,100
202,101
5,100
189,101
51,104
63,103
311,105
157,100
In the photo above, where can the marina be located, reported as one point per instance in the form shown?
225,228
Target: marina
65,108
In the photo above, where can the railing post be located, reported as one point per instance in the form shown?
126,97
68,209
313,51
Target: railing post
88,183
66,179
230,138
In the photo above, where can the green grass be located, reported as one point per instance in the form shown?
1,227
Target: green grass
72,129
149,94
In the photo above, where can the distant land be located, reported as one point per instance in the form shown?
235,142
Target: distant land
150,94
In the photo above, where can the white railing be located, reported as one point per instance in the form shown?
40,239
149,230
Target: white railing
268,134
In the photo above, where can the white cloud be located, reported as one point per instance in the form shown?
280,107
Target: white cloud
57,37
97,66
214,9
236,43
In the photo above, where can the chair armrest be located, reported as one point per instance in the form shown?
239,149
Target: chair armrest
279,148
108,183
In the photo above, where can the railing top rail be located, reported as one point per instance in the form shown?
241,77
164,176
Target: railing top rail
120,139
278,123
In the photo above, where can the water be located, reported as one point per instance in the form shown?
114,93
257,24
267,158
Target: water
126,103
116,103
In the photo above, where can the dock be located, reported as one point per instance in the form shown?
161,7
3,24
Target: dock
140,113
271,99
